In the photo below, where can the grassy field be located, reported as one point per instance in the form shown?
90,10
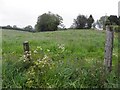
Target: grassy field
0,59
71,58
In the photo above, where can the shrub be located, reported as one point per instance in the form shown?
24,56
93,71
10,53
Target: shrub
48,22
116,28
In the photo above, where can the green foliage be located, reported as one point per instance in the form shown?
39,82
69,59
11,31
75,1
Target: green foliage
119,20
90,20
80,22
41,64
103,21
48,22
15,26
109,20
28,28
0,59
113,19
116,28
83,22
56,60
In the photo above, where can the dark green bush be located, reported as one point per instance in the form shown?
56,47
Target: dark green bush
116,28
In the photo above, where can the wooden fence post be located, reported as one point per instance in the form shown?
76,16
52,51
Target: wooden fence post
26,46
108,48
26,49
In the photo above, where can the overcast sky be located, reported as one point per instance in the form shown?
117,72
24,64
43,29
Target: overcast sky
25,12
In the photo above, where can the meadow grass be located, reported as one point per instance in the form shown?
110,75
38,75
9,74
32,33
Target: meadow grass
0,58
76,59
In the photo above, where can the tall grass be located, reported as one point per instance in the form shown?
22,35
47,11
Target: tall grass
71,58
0,58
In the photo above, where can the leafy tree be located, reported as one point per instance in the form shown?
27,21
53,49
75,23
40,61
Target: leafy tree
80,22
48,22
14,26
113,19
28,28
119,20
83,22
90,20
9,27
103,20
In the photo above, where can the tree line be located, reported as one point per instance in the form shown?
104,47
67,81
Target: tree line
52,22
28,28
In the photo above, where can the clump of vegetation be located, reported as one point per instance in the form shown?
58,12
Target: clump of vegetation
48,22
116,28
82,22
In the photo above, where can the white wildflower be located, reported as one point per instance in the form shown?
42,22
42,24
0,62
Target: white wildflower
39,60
61,46
35,51
41,72
24,56
48,50
24,60
50,67
45,57
115,54
42,65
39,47
28,54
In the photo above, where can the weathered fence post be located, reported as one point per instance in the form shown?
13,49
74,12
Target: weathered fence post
26,46
26,49
108,48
